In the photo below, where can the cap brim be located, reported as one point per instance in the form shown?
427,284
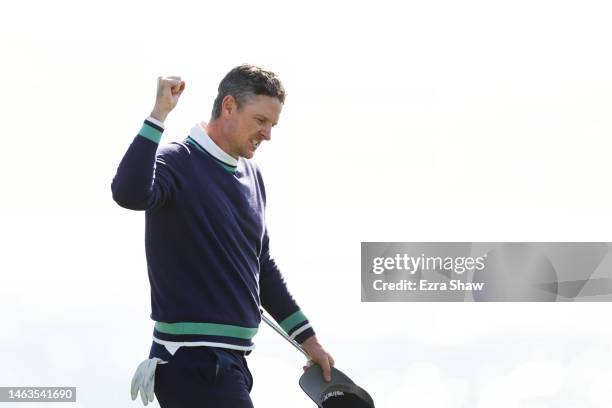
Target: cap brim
340,392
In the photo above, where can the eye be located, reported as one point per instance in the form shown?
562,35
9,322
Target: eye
260,121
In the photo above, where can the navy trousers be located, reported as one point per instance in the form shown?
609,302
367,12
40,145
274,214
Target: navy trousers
202,377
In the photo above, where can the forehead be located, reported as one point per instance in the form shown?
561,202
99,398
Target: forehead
265,105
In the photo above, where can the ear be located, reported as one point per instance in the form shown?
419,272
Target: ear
228,105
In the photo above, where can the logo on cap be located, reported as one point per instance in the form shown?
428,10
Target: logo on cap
331,394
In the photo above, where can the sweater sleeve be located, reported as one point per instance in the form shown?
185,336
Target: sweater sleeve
277,300
143,180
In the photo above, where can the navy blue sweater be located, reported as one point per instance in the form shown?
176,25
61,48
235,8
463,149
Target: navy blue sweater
206,244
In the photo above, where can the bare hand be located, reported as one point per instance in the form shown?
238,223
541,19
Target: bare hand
169,90
319,356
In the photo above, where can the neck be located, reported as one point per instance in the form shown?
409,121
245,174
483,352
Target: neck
216,132
198,135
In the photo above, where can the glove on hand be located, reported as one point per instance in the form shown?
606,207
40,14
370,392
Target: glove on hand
144,380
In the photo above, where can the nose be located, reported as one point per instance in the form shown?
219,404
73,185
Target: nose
266,133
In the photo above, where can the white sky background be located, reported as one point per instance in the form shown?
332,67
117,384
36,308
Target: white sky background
429,121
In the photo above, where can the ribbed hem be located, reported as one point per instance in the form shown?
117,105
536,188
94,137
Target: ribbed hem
151,130
212,329
303,336
204,334
173,345
297,326
156,121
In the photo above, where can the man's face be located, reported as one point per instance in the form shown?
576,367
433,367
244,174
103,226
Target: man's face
246,127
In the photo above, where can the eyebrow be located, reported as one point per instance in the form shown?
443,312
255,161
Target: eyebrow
266,118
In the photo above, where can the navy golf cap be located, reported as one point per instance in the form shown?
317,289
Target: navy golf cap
340,392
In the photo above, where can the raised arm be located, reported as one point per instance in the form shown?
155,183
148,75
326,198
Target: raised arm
144,181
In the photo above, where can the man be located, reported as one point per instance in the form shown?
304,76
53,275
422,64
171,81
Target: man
207,245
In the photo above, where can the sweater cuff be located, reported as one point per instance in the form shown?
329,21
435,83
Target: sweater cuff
297,327
152,129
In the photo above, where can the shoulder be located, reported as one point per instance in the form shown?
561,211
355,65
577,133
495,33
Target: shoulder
174,150
174,154
251,168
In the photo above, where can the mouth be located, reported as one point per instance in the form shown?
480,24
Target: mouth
255,143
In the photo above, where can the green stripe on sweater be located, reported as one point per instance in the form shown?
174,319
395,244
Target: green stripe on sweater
211,329
150,133
293,320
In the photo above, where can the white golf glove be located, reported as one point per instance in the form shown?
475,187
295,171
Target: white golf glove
144,380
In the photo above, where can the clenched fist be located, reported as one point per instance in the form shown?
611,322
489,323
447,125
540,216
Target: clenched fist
169,90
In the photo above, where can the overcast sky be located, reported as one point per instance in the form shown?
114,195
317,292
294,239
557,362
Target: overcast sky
426,121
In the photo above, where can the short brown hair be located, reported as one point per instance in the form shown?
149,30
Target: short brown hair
244,82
